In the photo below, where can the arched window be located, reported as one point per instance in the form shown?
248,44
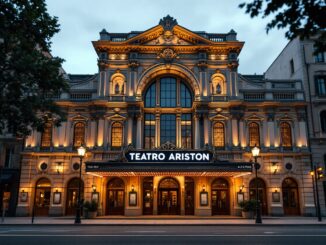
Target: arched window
323,121
46,135
116,135
169,92
254,136
218,135
79,134
286,134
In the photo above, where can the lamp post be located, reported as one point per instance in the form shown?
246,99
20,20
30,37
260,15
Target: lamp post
81,153
255,153
317,174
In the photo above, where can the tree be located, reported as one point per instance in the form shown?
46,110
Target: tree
303,18
29,76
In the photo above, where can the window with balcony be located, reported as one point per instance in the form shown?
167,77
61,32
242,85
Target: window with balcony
218,135
46,137
79,134
116,135
286,135
254,135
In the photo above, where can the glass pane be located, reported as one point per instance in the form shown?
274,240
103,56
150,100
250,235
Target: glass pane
150,96
186,131
185,96
168,88
168,128
116,134
149,131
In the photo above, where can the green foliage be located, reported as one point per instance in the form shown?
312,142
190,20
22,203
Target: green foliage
29,75
91,206
249,205
302,18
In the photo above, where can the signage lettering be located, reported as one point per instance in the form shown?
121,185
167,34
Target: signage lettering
168,156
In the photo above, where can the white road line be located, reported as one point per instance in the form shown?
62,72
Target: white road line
149,235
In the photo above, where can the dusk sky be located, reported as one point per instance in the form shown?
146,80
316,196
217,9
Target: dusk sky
82,20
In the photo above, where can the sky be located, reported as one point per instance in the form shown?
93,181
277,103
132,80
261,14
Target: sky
82,20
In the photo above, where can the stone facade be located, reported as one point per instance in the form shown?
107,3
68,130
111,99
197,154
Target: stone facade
310,68
113,110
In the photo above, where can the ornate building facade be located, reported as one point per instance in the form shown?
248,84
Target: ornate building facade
169,124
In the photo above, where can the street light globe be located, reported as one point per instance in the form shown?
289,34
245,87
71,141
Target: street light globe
255,151
81,151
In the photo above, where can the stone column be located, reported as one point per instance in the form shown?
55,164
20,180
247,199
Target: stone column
303,133
235,134
68,133
100,132
130,123
178,133
197,134
206,130
271,130
139,132
242,135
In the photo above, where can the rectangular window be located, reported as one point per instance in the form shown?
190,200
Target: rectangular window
8,159
319,57
168,92
320,85
149,131
186,135
168,128
291,66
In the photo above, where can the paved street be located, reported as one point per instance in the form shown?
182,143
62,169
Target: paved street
68,234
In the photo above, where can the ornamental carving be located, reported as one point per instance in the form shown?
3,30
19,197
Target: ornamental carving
168,23
167,146
168,54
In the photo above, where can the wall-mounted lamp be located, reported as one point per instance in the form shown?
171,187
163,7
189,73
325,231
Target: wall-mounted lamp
94,188
132,188
274,167
275,190
59,167
56,190
203,188
23,191
241,188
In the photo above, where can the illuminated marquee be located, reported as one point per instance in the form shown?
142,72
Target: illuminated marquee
169,156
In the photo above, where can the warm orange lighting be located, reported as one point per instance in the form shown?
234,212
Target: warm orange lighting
255,151
312,173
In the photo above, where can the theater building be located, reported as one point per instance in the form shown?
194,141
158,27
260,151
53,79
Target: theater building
169,124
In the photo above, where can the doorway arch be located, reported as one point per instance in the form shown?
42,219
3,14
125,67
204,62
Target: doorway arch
220,197
168,197
72,195
261,193
42,197
115,197
290,195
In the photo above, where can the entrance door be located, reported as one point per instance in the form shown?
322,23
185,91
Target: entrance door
189,196
72,196
290,197
115,197
42,197
168,197
220,197
148,196
261,194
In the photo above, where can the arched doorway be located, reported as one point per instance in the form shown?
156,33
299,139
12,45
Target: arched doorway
148,196
220,197
72,195
189,196
42,197
115,197
168,197
261,193
290,197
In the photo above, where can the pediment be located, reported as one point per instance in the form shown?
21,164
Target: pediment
178,35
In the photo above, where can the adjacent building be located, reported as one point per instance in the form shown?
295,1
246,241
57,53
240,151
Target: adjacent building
299,61
169,125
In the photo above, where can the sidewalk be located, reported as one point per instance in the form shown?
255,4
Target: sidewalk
163,220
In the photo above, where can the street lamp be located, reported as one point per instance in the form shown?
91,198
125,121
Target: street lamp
81,153
317,174
255,153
